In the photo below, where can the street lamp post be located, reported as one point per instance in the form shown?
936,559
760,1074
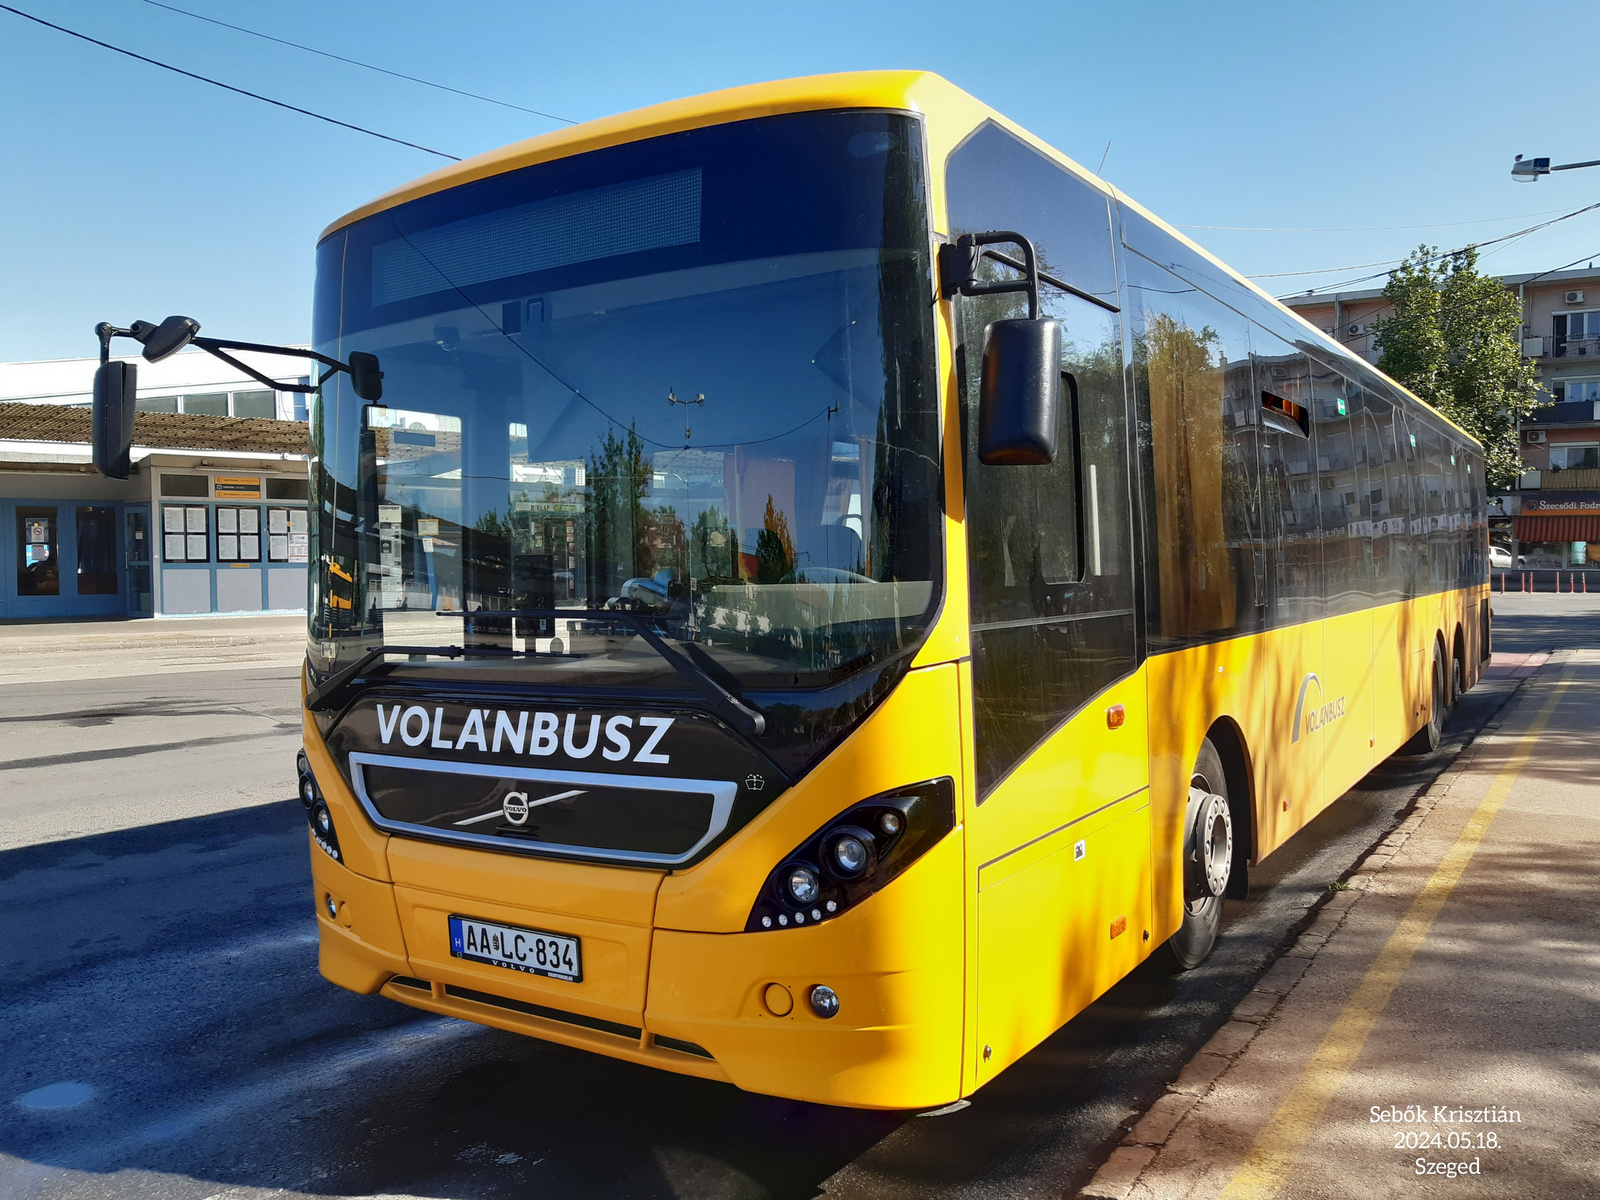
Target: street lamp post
1528,170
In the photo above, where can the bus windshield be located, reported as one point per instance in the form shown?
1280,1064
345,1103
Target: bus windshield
689,378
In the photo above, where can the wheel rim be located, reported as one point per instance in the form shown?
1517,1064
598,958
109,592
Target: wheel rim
1210,848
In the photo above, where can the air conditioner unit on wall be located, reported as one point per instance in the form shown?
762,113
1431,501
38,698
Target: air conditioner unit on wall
1533,435
1574,297
1356,329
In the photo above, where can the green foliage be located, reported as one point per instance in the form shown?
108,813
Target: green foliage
774,547
1455,339
619,475
713,550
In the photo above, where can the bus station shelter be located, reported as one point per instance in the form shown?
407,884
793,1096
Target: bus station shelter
212,518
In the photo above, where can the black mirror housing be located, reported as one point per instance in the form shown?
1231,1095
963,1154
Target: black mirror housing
1019,403
365,378
166,339
116,388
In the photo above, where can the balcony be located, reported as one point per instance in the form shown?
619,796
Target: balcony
1573,479
1574,347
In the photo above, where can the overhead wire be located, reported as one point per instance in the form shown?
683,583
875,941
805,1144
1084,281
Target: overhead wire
1356,228
227,86
1517,234
356,62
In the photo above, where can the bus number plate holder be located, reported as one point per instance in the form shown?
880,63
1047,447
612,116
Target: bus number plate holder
532,951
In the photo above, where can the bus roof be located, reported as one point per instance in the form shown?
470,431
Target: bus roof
910,91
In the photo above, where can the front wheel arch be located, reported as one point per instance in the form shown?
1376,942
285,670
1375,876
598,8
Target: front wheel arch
1228,739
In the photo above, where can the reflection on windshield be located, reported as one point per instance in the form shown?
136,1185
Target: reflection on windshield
721,418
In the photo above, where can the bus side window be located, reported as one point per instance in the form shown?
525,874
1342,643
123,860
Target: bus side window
1209,509
1049,547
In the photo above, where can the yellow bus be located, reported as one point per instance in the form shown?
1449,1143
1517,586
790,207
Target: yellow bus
829,586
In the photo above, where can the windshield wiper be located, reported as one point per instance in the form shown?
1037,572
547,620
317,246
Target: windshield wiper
735,710
331,690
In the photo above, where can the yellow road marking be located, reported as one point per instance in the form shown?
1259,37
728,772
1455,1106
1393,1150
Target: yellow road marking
1277,1149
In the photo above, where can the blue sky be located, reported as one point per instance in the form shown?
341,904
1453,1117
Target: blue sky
131,192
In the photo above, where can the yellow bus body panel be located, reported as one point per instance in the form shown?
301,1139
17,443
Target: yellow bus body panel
608,908
1037,902
914,734
896,962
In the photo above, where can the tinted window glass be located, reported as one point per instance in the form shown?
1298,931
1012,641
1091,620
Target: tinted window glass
287,489
212,404
97,552
1387,500
185,485
1048,547
255,404
729,424
1341,482
1194,388
38,548
1289,485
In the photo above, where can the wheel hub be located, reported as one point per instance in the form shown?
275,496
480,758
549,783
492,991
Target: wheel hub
1210,856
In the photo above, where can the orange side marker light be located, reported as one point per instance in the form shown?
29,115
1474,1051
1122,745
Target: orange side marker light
1115,716
1119,927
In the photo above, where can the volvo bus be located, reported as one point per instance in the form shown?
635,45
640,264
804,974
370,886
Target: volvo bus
827,586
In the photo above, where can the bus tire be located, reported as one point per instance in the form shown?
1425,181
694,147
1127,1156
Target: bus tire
1207,862
1426,740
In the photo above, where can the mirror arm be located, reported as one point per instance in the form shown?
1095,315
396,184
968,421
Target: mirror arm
1008,261
958,270
105,331
217,346
252,372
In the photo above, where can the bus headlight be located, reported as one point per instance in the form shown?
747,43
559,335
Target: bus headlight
855,854
307,785
802,885
847,853
318,815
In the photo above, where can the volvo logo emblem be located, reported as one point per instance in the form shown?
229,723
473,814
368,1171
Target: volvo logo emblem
515,807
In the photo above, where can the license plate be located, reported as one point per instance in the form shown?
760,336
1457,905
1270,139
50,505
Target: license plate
531,950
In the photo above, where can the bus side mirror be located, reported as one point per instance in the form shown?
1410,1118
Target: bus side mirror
365,378
1019,402
115,393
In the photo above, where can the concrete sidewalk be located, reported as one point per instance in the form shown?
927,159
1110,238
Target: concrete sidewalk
1436,1030
73,650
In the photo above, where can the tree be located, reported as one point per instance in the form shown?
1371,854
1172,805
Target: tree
774,546
1455,339
619,475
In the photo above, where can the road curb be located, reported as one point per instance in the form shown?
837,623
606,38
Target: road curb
1154,1128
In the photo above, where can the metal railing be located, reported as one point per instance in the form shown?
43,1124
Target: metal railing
1574,581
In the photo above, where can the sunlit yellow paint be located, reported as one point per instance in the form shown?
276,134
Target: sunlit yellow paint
1038,901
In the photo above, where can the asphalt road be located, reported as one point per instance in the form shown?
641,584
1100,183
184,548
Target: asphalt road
158,986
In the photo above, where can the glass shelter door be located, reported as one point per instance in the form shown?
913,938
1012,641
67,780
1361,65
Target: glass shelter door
136,559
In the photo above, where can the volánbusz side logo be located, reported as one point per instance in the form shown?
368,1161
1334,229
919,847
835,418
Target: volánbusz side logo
1326,714
543,736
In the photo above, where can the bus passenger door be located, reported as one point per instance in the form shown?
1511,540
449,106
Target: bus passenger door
1060,831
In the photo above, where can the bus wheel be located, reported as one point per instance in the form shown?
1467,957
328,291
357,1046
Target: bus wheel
1459,684
1426,739
1207,861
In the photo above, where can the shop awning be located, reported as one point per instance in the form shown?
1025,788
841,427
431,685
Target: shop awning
1558,528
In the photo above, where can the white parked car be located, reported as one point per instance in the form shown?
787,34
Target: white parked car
1500,558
